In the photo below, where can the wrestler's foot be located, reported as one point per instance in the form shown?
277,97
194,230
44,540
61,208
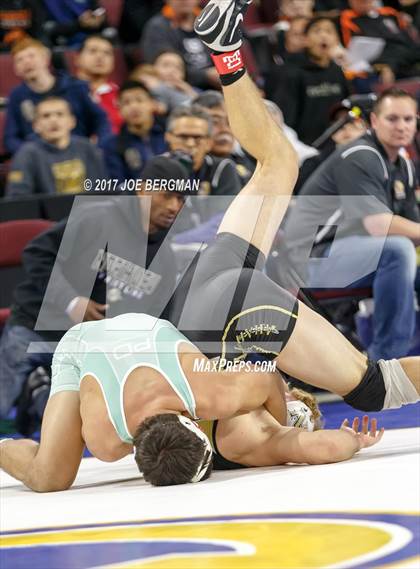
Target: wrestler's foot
218,25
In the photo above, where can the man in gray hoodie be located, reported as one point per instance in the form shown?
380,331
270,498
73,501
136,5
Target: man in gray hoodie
55,162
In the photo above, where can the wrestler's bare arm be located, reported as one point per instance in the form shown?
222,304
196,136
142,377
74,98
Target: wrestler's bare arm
51,465
224,394
281,445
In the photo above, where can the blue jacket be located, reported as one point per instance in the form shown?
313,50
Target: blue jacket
91,119
126,154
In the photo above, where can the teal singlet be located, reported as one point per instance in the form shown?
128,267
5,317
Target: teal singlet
110,349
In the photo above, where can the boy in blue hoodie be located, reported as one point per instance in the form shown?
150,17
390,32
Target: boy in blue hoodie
32,61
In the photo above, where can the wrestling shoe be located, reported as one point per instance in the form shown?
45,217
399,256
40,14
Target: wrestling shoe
218,25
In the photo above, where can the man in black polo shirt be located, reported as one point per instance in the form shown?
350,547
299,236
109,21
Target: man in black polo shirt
356,223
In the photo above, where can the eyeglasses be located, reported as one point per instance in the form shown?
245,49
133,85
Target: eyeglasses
219,120
196,137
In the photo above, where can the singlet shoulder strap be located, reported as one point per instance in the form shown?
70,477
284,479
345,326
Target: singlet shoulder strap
167,340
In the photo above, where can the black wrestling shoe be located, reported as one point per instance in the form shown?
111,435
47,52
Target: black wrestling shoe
32,402
218,25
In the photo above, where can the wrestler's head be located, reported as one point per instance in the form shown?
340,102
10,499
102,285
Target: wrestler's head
171,449
309,416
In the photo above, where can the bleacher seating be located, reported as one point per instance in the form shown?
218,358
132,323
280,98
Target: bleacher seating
41,206
4,157
20,208
113,11
14,236
411,85
8,79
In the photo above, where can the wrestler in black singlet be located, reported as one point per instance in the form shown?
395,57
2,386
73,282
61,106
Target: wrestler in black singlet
229,307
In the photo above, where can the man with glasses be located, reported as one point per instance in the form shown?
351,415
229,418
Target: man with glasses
224,144
190,129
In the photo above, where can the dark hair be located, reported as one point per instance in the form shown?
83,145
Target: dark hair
194,111
313,21
168,453
209,99
167,50
95,37
394,93
53,98
132,84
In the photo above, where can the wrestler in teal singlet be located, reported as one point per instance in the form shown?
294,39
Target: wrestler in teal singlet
110,349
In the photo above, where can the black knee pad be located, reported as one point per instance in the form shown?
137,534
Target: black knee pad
369,395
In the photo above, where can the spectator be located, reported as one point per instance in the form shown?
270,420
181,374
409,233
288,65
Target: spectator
294,37
140,138
18,19
357,222
172,30
100,266
291,40
289,9
95,63
223,143
70,21
302,150
189,129
306,89
410,7
352,127
31,60
56,162
400,56
165,79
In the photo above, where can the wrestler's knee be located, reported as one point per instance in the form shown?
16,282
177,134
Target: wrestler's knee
385,385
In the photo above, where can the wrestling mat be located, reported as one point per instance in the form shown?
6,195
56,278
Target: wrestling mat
362,513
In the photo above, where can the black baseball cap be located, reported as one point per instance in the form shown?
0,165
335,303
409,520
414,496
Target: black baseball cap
175,165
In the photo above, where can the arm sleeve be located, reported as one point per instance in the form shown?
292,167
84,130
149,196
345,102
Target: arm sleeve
362,173
13,138
98,122
226,181
197,77
286,94
39,258
21,177
155,39
96,165
170,96
114,164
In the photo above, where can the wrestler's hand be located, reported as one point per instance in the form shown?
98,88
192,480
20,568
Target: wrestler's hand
86,309
366,437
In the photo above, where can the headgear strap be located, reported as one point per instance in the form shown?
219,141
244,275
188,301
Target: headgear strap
208,450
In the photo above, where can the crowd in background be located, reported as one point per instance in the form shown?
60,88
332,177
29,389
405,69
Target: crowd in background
94,89
93,55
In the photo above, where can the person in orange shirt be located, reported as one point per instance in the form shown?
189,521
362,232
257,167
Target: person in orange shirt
400,56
